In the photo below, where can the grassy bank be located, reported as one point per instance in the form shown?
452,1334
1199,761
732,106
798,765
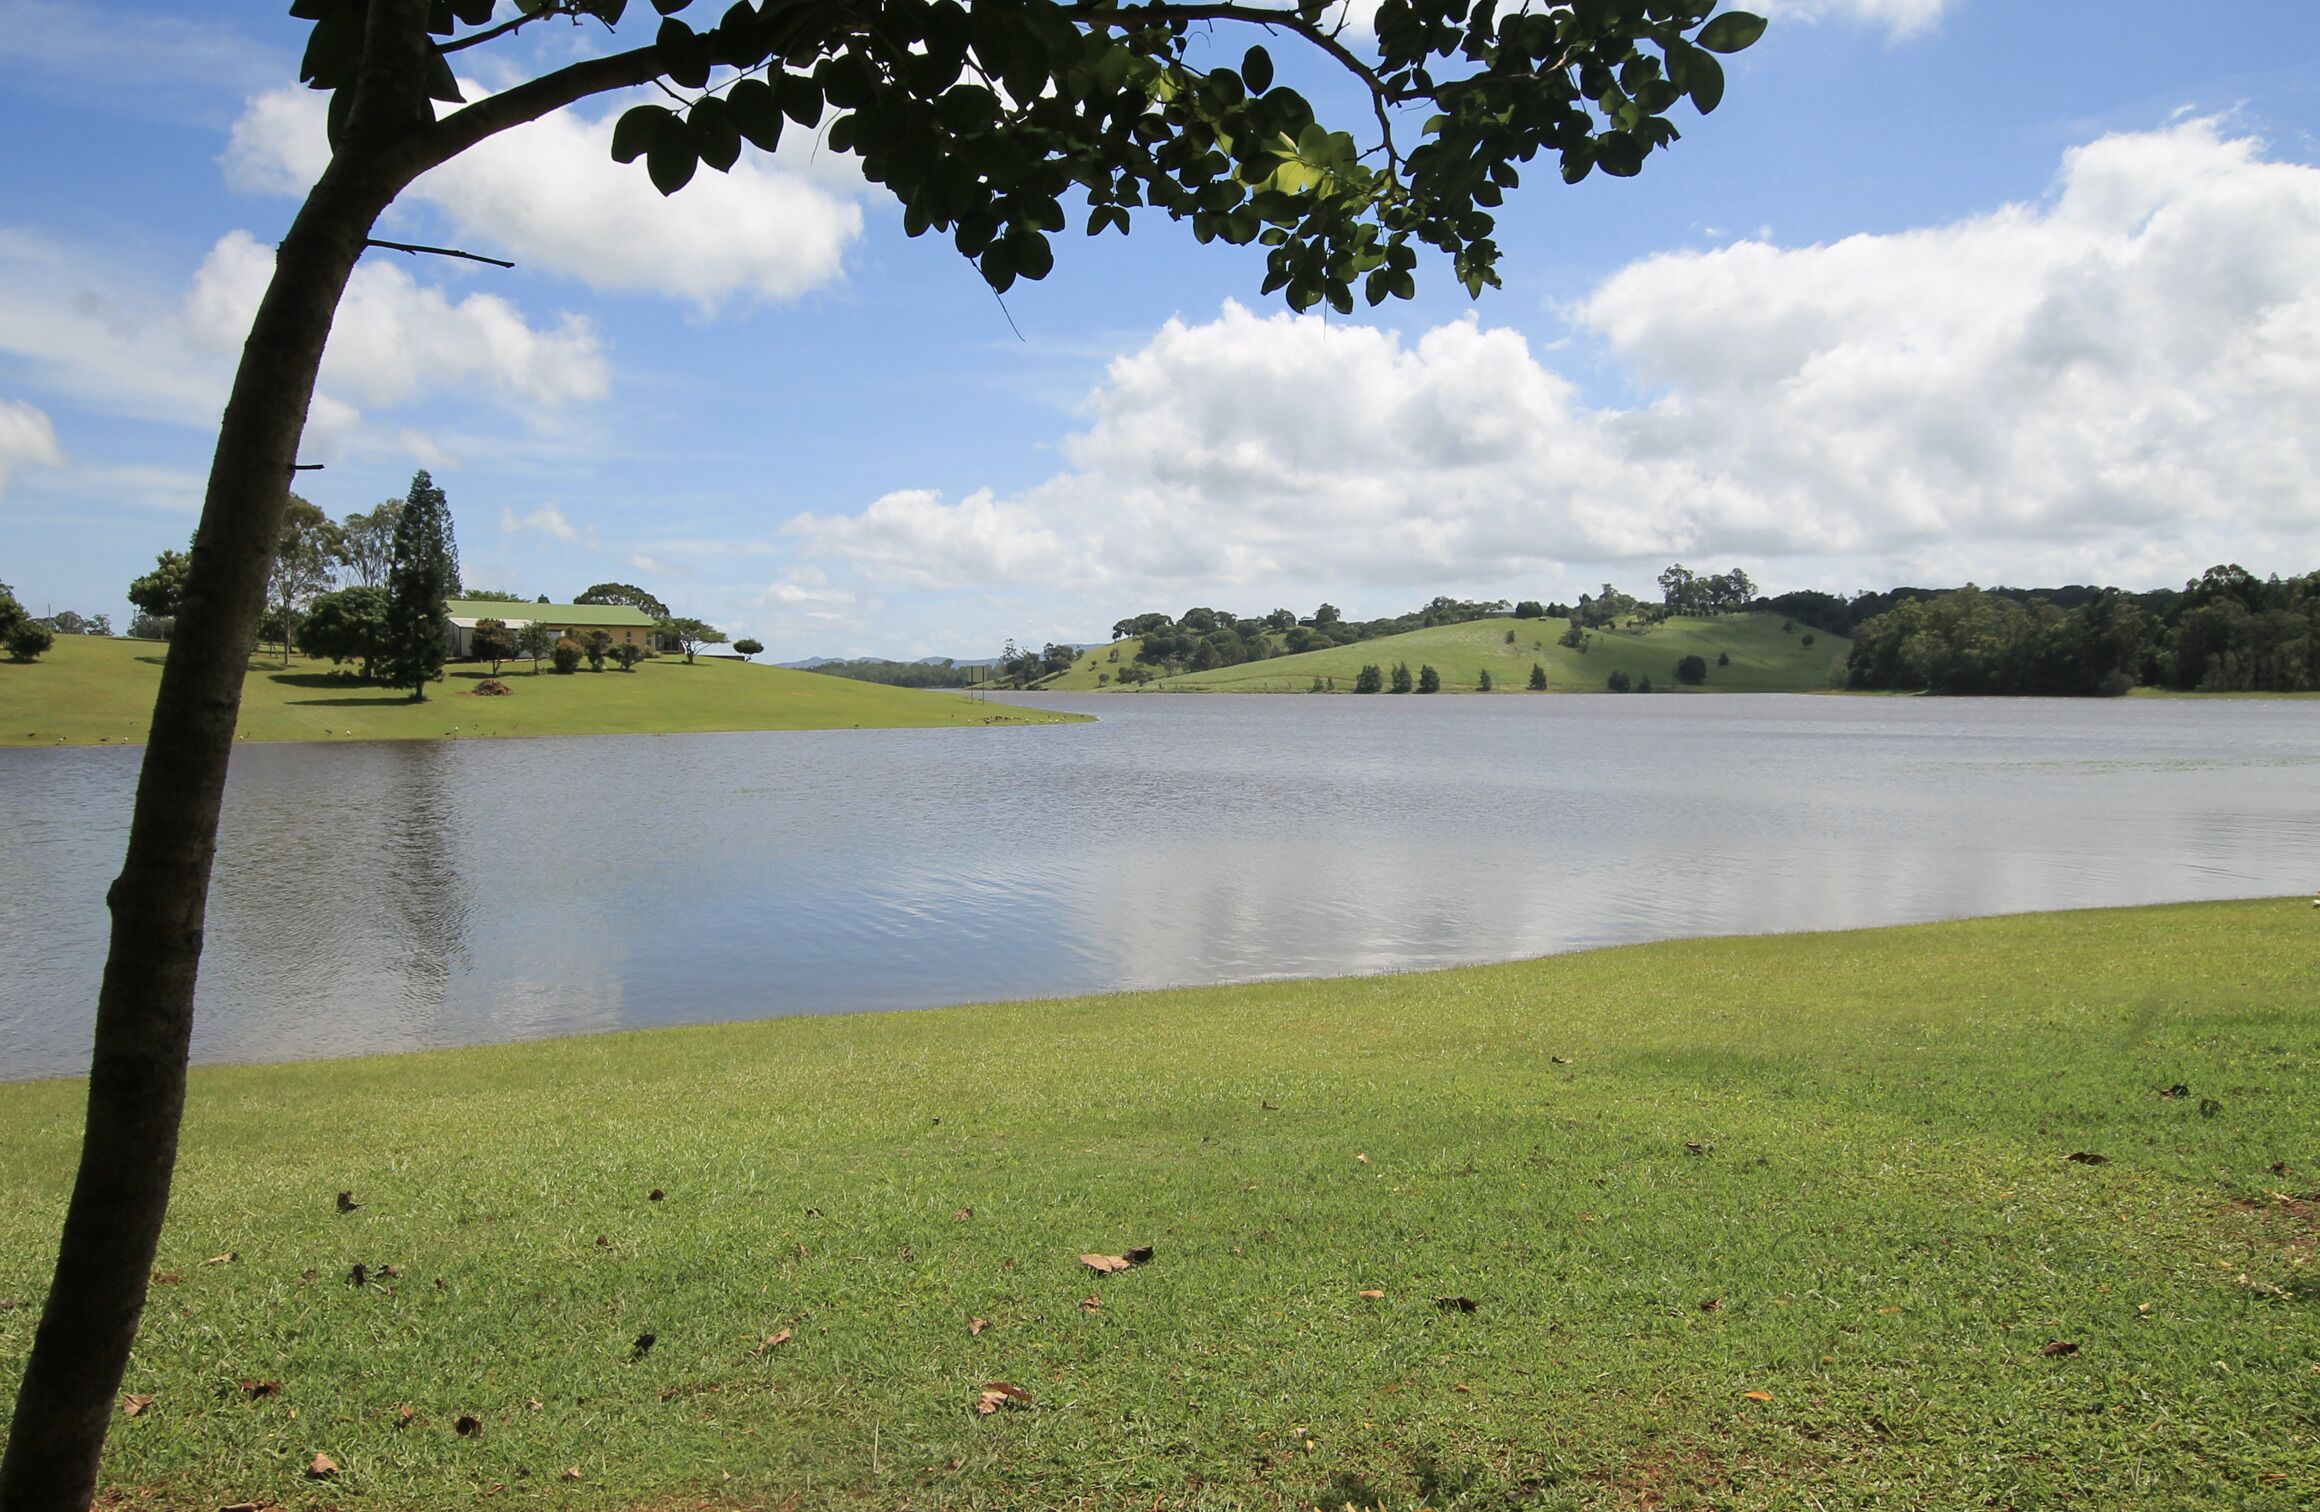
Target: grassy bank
1759,657
1776,1222
92,690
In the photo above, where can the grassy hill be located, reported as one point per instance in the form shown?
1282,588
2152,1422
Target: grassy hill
91,690
1763,658
1773,1223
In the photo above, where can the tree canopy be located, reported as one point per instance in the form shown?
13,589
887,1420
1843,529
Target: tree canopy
624,593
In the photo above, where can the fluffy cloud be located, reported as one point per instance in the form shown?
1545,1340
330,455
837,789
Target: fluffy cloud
547,520
25,436
2119,382
1900,17
548,195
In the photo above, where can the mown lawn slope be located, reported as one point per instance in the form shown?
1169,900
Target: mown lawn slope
92,690
2012,1213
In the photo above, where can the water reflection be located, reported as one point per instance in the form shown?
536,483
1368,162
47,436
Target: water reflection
389,896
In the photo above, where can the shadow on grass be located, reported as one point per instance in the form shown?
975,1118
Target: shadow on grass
381,701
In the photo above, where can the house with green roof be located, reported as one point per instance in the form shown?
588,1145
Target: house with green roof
626,625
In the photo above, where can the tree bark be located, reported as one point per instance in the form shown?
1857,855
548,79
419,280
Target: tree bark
137,1070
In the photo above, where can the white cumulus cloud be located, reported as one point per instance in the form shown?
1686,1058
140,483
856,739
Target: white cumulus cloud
1899,17
26,435
547,520
2120,382
548,195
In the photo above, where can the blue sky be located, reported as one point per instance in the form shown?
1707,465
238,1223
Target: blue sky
1947,290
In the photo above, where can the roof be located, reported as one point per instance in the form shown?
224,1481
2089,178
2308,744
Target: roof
517,614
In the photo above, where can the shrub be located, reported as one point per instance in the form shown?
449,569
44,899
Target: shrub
1429,680
1402,680
1808,640
1644,686
595,644
1482,682
1617,682
1723,658
750,647
1370,680
1538,678
628,656
29,640
1510,637
566,654
2115,684
1692,670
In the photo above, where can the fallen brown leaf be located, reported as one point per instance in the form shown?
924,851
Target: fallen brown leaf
571,1473
1140,1255
10,1304
976,1326
655,1195
1372,1294
467,1425
228,1258
1364,1159
2278,1168
533,1403
166,1278
2083,1157
1461,1386
322,1467
1757,1396
255,1390
1712,1304
359,1274
1561,1060
963,1214
998,1394
308,1275
1091,1303
2059,1347
602,1242
404,1412
1104,1265
391,1272
132,1405
346,1202
642,1346
772,1341
1456,1304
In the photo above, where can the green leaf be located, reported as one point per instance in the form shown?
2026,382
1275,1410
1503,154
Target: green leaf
801,98
1706,84
715,137
638,128
669,162
756,113
684,54
1257,70
1731,32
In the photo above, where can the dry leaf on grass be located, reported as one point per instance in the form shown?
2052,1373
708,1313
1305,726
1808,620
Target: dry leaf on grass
1364,1159
404,1413
998,1394
571,1473
346,1202
643,1345
1712,1304
1140,1255
1456,1304
132,1405
2085,1157
1104,1265
166,1278
255,1390
322,1467
1091,1303
655,1195
963,1214
228,1258
358,1274
976,1326
2059,1347
1561,1060
773,1341
1757,1396
1373,1295
468,1425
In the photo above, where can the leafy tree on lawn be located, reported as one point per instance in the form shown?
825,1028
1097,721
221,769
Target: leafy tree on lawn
565,655
1482,681
1327,614
305,559
1129,106
11,613
160,591
367,542
596,643
536,640
1538,678
1429,680
30,640
623,593
1369,679
349,625
1402,679
70,622
749,646
492,641
1618,682
421,581
1530,609
692,634
1692,670
628,654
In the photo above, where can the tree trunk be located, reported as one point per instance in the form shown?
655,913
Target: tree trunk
136,1095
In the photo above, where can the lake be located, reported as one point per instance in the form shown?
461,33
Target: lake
407,895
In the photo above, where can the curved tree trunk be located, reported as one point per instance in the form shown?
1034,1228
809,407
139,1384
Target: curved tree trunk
145,1007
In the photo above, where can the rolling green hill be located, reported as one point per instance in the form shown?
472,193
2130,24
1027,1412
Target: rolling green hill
1763,658
91,690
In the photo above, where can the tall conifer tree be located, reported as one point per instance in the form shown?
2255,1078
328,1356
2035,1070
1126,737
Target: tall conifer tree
422,577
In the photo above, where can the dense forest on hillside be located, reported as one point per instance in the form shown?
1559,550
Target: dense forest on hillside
937,672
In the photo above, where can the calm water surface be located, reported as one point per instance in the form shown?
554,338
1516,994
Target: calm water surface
404,895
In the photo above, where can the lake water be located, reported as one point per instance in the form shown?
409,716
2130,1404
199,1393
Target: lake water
403,895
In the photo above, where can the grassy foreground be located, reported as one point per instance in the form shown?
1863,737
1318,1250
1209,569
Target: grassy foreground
1774,1222
94,690
1762,658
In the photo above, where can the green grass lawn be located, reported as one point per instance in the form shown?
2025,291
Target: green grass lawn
1763,658
1785,1222
92,690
